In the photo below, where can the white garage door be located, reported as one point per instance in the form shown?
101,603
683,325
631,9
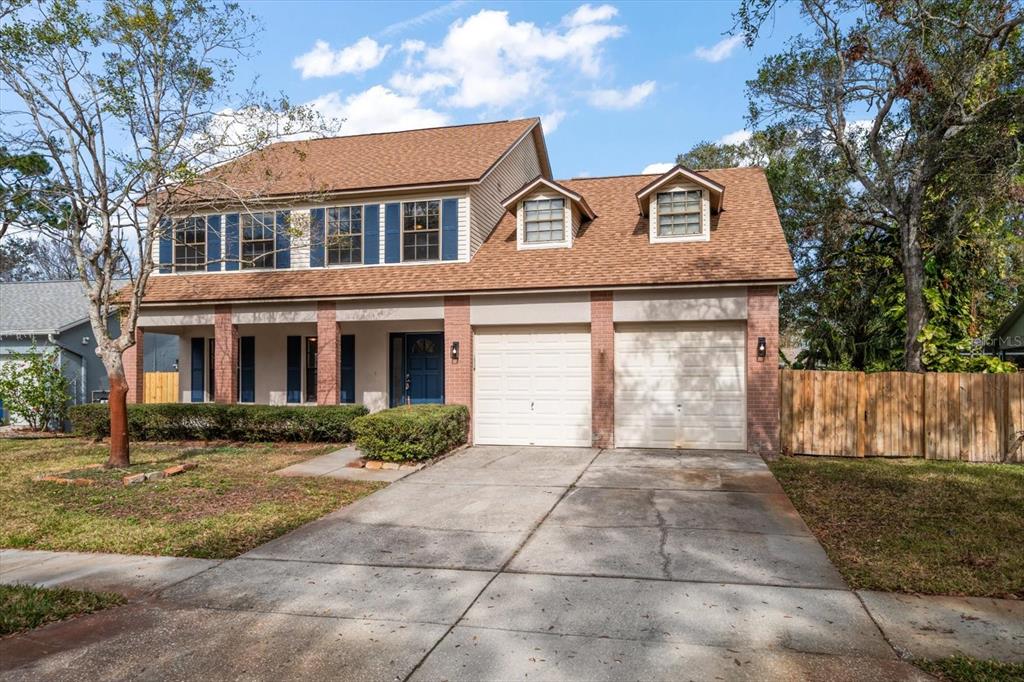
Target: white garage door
680,386
532,386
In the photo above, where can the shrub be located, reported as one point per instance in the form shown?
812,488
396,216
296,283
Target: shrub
411,433
209,421
33,387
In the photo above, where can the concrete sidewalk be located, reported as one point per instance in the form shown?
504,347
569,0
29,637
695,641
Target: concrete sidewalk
336,465
130,575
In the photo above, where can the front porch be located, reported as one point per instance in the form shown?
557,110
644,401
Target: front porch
305,355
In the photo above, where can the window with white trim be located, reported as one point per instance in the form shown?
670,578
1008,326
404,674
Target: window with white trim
258,233
679,213
189,244
345,235
421,230
543,220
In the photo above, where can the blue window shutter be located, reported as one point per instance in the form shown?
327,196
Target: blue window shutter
294,374
392,233
316,237
371,234
348,369
284,241
213,243
231,237
166,245
247,369
198,369
450,229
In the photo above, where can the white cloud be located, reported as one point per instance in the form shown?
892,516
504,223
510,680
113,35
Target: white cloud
588,14
421,19
358,57
658,168
419,85
413,46
735,137
492,62
719,51
622,99
550,121
377,109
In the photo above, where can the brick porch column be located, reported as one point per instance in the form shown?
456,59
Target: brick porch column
328,362
225,355
134,369
602,369
458,374
763,373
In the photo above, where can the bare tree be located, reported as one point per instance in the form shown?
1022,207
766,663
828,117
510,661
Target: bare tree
894,87
127,102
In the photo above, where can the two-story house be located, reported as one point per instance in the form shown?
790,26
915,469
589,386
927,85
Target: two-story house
447,265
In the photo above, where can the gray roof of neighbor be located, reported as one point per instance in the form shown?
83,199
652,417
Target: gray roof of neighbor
41,307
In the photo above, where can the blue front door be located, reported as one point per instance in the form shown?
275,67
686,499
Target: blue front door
421,377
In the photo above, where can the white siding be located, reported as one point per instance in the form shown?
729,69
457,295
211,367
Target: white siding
680,305
299,231
515,170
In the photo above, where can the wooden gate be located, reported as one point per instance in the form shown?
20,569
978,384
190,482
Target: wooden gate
160,387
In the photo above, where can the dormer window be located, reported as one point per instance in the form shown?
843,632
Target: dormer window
679,213
543,221
548,214
679,204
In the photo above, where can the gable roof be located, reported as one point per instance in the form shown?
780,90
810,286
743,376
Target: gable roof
1010,320
680,171
613,250
364,163
541,181
37,308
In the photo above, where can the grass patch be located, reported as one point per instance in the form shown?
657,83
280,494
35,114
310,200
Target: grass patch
228,505
23,607
911,525
964,669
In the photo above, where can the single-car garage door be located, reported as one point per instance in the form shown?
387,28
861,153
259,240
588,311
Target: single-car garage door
532,386
680,386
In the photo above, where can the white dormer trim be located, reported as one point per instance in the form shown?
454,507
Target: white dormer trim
705,216
680,174
544,184
567,223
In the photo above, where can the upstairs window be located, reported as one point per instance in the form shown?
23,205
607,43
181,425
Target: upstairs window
679,213
345,235
421,230
543,220
258,234
189,244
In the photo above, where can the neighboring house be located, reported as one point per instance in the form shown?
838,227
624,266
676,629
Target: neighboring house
1008,341
55,314
446,265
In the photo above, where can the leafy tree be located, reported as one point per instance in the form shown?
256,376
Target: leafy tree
33,387
897,90
129,102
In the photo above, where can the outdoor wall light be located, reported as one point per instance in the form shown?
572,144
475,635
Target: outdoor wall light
762,348
455,350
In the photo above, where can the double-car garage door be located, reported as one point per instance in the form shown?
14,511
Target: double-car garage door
678,385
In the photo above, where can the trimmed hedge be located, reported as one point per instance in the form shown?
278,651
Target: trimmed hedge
209,421
411,433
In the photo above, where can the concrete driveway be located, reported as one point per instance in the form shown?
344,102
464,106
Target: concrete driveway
508,563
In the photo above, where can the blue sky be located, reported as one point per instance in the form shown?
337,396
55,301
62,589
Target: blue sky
619,86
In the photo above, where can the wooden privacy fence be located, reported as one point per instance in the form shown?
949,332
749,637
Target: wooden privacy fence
160,387
970,417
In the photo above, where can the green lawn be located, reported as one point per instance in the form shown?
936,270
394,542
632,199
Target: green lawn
911,525
228,505
23,607
963,669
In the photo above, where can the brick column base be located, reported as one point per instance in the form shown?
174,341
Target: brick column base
328,362
225,355
602,369
763,373
458,373
134,369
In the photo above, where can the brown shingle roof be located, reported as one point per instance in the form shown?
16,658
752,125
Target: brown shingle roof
747,245
429,156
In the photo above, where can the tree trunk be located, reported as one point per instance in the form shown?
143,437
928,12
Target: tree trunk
118,403
913,288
